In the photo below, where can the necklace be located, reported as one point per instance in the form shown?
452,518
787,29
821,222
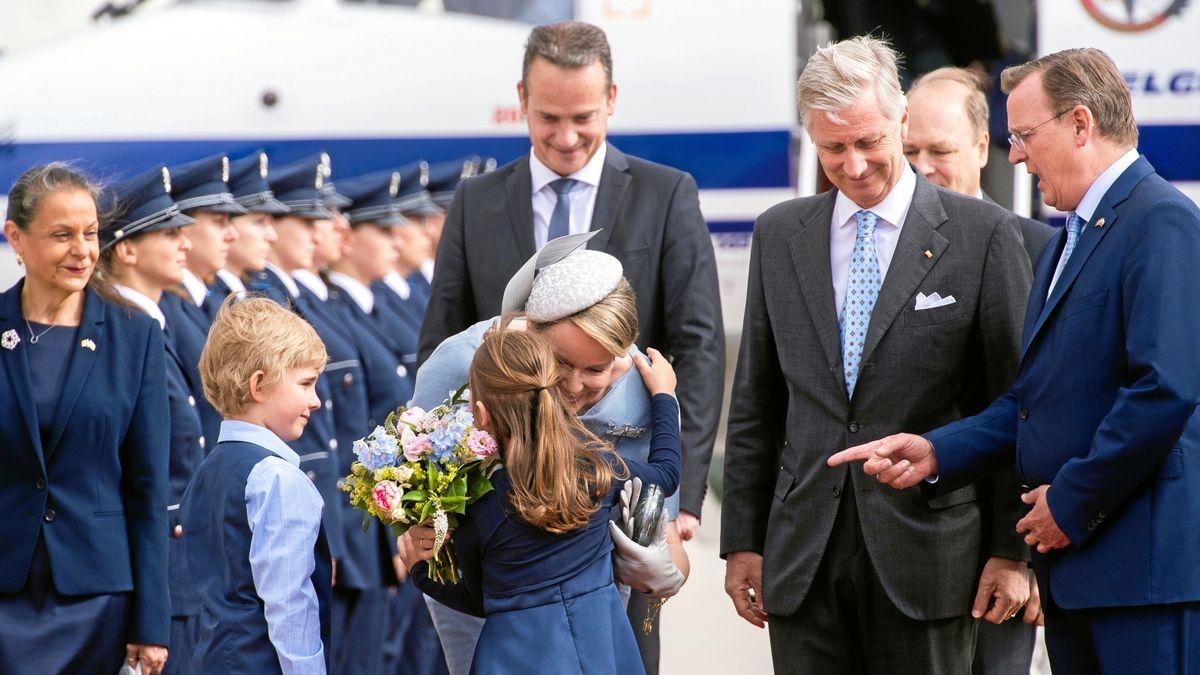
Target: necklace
33,338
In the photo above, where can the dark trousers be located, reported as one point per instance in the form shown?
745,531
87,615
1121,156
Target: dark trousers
1121,640
1004,649
847,623
358,619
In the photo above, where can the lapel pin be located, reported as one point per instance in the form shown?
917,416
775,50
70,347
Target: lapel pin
928,253
88,345
9,340
1100,222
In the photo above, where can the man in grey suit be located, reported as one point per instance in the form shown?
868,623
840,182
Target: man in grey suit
884,303
573,181
948,143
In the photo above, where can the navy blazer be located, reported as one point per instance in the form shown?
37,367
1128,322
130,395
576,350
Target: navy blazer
186,452
187,326
97,494
400,321
1103,406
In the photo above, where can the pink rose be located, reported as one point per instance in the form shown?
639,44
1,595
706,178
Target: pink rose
481,443
417,447
387,495
413,416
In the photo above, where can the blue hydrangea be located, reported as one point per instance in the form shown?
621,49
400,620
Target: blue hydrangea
444,440
377,450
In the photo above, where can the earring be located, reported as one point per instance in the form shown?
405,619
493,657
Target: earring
20,261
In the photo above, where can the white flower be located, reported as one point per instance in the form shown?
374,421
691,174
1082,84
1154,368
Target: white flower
404,473
10,339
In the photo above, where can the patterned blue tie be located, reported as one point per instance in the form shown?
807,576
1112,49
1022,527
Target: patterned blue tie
1074,227
862,289
560,220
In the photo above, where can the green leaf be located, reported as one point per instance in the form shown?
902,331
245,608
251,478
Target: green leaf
366,521
480,488
415,496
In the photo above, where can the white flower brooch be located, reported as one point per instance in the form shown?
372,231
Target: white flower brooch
9,340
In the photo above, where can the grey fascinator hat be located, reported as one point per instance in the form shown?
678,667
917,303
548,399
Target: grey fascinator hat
560,280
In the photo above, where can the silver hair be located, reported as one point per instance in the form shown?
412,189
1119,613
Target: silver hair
838,74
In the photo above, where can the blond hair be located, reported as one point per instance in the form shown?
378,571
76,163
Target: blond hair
612,321
1086,77
558,469
839,74
251,335
975,102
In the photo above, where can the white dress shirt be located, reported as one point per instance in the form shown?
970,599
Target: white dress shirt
284,278
233,281
195,288
891,214
583,195
312,282
398,283
283,509
362,295
143,303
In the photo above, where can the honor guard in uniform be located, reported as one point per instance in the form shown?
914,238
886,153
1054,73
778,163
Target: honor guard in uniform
444,178
374,217
412,242
200,191
142,254
256,229
307,236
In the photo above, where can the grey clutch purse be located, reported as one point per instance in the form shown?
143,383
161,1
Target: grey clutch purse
646,514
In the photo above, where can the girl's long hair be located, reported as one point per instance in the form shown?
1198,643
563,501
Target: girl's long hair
558,468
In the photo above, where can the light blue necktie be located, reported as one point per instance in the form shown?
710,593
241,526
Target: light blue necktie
862,289
1074,227
560,220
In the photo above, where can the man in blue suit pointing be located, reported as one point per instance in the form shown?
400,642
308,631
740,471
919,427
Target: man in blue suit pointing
1102,415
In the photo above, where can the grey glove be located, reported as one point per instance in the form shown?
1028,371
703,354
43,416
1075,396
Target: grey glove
648,569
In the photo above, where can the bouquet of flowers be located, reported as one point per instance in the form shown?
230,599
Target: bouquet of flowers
424,468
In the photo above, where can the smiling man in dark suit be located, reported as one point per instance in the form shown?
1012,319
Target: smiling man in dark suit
885,303
573,181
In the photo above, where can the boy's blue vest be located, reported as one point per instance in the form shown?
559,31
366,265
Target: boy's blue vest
233,627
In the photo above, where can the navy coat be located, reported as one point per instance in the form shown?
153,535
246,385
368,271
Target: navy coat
1103,409
97,494
188,327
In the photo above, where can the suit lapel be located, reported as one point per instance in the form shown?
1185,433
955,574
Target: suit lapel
810,253
1090,236
910,265
79,366
610,197
519,189
1041,281
17,366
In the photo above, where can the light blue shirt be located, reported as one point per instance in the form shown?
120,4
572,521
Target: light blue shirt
284,512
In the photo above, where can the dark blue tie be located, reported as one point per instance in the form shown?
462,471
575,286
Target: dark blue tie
560,220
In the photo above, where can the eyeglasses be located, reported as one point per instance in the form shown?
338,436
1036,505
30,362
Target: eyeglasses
1017,138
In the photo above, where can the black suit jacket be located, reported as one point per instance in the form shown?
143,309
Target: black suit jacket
649,217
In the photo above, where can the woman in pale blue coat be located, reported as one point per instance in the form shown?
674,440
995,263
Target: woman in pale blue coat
579,300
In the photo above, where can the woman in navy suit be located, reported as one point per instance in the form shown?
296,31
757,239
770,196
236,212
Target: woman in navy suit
83,570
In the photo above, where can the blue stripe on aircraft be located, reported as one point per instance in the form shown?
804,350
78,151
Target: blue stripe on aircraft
1174,150
730,160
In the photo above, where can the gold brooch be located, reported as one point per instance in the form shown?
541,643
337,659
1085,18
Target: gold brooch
88,345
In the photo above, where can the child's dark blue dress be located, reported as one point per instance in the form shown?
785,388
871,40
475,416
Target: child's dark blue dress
549,600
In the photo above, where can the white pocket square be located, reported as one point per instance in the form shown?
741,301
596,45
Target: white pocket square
933,300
